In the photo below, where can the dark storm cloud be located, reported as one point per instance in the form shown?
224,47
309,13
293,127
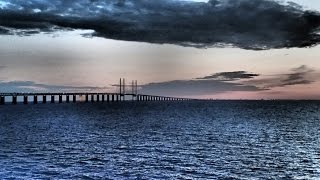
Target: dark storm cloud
195,87
231,76
30,86
298,76
247,24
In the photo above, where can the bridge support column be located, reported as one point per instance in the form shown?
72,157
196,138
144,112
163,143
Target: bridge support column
2,100
117,98
60,98
35,99
98,98
92,98
52,99
25,99
87,98
103,97
14,99
108,97
67,98
74,99
112,98
44,99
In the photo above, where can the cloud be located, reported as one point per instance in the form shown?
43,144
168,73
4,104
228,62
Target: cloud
30,86
231,76
2,67
298,76
236,81
247,24
195,87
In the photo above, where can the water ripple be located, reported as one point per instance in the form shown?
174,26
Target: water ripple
175,140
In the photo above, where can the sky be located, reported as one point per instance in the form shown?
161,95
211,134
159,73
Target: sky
221,49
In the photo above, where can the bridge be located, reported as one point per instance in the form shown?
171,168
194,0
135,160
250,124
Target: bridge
60,97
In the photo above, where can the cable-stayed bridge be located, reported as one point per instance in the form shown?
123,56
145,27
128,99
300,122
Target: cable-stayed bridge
127,92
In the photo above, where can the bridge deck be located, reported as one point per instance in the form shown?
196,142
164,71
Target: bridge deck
111,97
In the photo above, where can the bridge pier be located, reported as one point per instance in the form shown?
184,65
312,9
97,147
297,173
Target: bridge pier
103,97
87,98
117,98
44,99
108,98
67,98
60,98
14,99
112,99
98,98
74,99
2,100
52,99
92,98
35,99
25,99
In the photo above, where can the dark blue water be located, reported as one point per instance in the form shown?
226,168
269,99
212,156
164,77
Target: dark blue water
161,140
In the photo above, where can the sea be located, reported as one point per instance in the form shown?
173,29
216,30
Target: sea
161,140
